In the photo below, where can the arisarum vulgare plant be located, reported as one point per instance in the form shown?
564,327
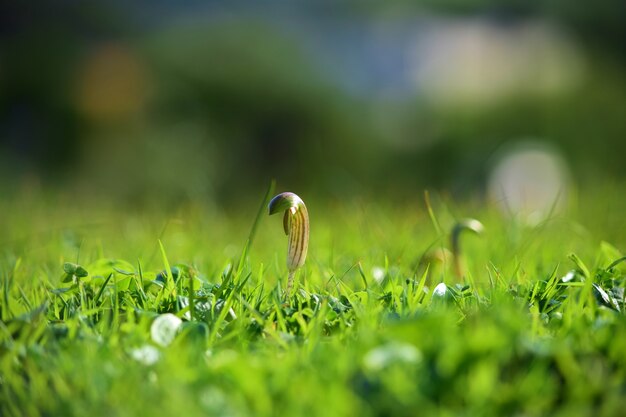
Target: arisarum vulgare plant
471,225
296,226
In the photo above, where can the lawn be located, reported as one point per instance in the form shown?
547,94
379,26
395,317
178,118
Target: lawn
182,310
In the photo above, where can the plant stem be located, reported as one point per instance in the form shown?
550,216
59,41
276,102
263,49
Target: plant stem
289,284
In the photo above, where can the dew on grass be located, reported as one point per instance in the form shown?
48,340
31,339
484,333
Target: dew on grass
147,354
391,353
569,276
164,329
378,273
440,290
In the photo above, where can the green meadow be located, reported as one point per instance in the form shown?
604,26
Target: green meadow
445,235
182,310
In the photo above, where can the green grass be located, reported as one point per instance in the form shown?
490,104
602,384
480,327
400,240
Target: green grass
82,286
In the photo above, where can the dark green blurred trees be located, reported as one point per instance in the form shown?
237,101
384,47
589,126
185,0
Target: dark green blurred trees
199,101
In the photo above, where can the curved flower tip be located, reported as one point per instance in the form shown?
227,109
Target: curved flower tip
296,226
472,225
284,201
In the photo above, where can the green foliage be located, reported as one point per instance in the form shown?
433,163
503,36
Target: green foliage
536,327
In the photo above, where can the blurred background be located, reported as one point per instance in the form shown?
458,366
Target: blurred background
509,101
